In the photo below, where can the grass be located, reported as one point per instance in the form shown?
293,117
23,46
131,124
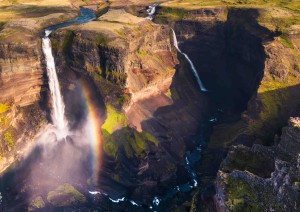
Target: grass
196,4
170,14
118,135
286,41
3,108
115,120
9,139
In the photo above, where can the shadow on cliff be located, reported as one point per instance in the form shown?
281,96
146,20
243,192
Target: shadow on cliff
229,57
274,109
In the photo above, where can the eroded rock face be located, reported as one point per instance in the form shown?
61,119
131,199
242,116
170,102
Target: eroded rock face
132,62
21,85
242,188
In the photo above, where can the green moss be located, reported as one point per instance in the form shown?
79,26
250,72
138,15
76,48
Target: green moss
9,139
241,197
167,14
101,40
3,108
111,149
65,195
243,158
122,99
297,184
114,120
149,137
68,40
276,107
286,41
38,202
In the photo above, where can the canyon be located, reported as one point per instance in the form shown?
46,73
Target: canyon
125,77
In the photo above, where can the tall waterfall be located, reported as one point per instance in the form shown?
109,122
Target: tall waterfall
58,107
202,88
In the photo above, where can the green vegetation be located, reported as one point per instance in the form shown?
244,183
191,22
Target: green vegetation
101,40
122,99
68,40
224,134
118,135
3,108
9,139
286,41
115,120
38,202
167,14
242,158
65,195
277,106
241,197
297,184
196,4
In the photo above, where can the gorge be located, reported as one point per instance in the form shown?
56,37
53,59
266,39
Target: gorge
105,112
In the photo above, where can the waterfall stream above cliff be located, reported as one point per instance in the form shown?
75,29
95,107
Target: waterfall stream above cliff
202,88
58,106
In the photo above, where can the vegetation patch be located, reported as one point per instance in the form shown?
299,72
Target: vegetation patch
9,138
37,202
65,195
276,107
101,40
3,108
241,197
286,41
117,134
115,120
168,14
242,158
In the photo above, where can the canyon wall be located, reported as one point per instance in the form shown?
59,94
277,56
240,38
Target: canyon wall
250,66
152,102
23,84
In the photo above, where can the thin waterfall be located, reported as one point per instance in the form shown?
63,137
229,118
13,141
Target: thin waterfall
151,11
202,88
58,107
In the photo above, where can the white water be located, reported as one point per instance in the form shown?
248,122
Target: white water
202,88
151,11
58,107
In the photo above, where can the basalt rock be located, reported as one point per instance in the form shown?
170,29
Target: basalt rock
150,116
244,189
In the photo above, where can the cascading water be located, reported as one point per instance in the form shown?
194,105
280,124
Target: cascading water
151,11
58,107
202,88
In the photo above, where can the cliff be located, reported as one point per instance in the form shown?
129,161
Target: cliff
150,116
23,84
248,58
271,185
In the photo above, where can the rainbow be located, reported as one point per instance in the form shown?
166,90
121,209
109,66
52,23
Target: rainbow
94,134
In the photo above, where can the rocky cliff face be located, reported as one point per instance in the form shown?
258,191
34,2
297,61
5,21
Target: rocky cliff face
23,100
271,185
250,66
21,80
150,116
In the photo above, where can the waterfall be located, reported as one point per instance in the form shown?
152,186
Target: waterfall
151,11
202,88
58,107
